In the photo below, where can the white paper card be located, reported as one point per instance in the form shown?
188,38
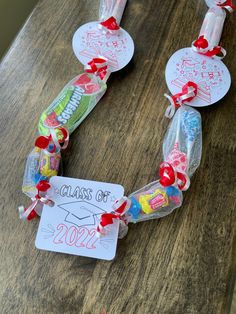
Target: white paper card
211,76
70,226
90,42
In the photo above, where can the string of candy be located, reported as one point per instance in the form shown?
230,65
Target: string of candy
44,160
181,147
161,197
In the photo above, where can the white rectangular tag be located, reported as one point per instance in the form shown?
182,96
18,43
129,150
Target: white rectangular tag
70,225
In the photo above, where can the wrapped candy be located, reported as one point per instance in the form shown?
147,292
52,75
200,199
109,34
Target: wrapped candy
31,170
212,26
60,119
40,165
182,149
106,9
210,33
153,201
112,8
73,104
49,164
182,146
44,160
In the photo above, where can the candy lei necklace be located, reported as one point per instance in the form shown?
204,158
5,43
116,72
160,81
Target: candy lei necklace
195,76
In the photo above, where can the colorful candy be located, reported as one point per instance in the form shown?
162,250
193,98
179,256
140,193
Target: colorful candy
135,208
182,154
76,100
73,104
49,164
40,165
191,124
153,201
31,170
182,146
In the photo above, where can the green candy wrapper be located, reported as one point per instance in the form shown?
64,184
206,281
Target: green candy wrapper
73,104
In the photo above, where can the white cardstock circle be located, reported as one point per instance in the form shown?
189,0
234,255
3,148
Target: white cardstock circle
211,76
91,42
213,3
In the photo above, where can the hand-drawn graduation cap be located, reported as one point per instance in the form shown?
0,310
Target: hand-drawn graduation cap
81,213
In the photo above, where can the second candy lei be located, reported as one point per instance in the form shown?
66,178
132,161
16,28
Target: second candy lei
182,143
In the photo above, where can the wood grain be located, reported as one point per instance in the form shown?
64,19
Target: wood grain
184,263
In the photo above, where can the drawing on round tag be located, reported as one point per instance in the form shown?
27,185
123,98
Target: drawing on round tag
211,76
213,3
90,42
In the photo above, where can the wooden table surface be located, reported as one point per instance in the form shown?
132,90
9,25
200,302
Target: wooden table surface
184,263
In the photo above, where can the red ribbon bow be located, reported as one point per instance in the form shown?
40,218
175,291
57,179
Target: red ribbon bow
189,91
110,24
43,142
201,43
201,46
169,176
228,4
120,207
43,186
98,66
37,203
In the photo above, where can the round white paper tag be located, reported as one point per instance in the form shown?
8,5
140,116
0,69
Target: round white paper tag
211,76
213,3
91,42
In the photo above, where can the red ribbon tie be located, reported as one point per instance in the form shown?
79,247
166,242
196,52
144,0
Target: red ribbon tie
43,142
120,207
37,202
189,91
110,25
228,5
97,66
201,46
169,176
